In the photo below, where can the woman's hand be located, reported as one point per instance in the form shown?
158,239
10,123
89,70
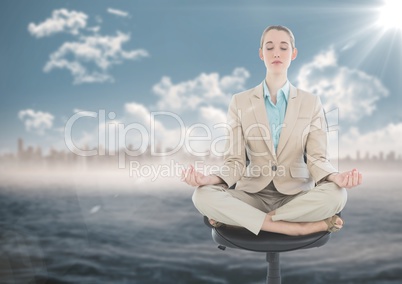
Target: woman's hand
347,179
194,178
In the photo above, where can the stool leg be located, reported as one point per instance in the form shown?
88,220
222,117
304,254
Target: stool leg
274,269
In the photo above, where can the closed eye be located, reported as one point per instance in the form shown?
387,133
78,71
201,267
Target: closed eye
273,48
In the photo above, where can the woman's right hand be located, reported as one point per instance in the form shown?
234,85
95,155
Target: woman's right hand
194,178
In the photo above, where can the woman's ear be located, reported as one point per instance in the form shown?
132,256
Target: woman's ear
260,54
294,53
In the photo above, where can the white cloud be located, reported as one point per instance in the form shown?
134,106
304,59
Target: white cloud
100,51
138,113
170,137
118,12
212,115
213,88
61,21
94,29
382,140
215,120
206,88
83,112
90,57
354,92
36,122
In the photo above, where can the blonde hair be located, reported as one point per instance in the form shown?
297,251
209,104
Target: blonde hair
279,28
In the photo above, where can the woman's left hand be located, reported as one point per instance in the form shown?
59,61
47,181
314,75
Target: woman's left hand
347,179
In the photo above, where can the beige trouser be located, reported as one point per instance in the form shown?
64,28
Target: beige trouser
248,210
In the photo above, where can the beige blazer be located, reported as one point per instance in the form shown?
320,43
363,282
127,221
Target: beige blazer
304,131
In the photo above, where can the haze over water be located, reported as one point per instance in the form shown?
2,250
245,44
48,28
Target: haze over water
121,230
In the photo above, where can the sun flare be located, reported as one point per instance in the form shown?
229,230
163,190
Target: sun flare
390,15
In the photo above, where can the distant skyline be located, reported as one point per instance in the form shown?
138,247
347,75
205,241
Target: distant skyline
31,166
132,58
27,152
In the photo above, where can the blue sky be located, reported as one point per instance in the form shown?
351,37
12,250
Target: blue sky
199,52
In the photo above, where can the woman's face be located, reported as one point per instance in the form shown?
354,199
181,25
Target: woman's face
276,51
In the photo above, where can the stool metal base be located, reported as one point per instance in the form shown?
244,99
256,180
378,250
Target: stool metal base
274,268
270,243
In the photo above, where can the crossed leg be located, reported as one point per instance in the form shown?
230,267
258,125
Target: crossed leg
293,228
303,214
297,228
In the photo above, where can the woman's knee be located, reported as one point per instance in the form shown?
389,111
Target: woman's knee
337,197
342,199
198,197
203,196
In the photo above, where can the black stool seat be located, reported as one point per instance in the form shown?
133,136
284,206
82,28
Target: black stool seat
266,242
270,243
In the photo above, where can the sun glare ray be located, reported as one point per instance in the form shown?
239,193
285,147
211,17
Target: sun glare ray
371,41
390,15
387,54
387,26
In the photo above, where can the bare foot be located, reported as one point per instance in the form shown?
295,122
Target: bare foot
339,222
334,223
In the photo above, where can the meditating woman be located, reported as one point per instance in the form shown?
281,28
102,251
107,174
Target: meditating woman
289,185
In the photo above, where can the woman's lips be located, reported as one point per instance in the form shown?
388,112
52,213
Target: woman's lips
277,62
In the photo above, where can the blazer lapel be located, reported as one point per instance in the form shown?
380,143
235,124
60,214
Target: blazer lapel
261,116
292,113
